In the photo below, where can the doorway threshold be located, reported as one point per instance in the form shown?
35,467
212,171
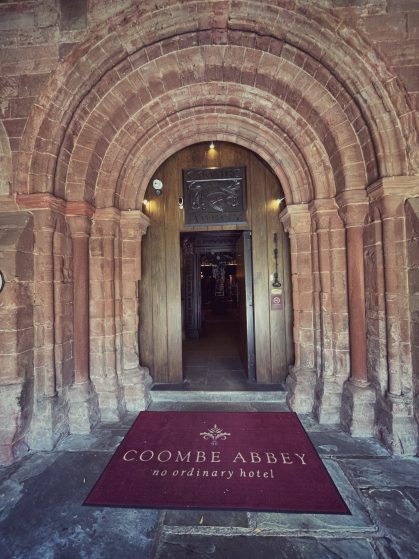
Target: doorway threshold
187,393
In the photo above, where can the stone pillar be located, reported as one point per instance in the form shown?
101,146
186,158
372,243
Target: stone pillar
16,333
135,379
43,433
334,335
358,398
301,380
396,423
103,347
83,413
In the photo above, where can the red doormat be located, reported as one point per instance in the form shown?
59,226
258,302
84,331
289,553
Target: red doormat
208,460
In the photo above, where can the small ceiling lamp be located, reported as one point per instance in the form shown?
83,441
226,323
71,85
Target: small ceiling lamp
158,186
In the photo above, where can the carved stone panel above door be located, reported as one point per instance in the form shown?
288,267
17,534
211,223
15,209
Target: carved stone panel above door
214,196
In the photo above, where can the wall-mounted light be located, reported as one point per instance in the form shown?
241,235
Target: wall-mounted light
212,146
280,200
158,186
145,203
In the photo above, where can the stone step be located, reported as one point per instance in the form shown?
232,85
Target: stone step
164,394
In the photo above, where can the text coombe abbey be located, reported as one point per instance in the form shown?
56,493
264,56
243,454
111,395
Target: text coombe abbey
177,460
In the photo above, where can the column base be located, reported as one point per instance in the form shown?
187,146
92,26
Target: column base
397,425
358,408
110,397
301,384
137,383
13,421
328,400
49,423
84,408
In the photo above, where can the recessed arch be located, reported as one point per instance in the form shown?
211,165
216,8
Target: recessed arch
125,43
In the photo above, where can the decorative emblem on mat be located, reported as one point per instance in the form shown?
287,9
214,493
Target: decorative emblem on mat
214,434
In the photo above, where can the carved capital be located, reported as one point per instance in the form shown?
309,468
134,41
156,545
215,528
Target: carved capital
353,207
296,219
325,214
80,225
106,222
134,224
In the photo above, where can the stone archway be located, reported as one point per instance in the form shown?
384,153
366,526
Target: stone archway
331,124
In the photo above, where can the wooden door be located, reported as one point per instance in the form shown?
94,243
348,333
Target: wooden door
245,283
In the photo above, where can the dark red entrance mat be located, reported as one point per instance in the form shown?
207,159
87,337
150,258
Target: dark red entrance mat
209,460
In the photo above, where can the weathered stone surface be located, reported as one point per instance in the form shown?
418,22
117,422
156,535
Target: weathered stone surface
394,472
197,518
358,410
217,547
338,444
398,517
310,524
89,113
59,525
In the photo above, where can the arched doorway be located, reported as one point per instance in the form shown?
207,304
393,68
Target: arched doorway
175,254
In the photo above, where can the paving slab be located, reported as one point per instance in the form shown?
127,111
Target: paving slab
99,440
413,493
359,521
173,546
45,518
197,518
383,472
341,444
399,519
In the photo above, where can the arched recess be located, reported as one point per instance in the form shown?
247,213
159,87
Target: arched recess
170,301
294,84
256,42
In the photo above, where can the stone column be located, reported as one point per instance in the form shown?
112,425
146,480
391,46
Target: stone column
83,413
16,333
43,435
135,379
358,398
334,335
396,423
301,380
103,346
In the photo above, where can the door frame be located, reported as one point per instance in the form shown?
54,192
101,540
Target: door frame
193,245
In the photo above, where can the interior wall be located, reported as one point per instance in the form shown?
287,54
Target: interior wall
160,288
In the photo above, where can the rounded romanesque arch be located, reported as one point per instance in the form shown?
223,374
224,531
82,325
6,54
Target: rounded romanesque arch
291,83
141,56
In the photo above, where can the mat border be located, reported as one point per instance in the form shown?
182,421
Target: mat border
284,511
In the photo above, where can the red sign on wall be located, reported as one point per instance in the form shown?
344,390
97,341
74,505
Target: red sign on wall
277,301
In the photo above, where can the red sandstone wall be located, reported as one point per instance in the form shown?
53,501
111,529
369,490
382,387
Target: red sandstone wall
34,36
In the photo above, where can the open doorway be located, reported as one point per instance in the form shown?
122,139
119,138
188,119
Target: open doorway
218,334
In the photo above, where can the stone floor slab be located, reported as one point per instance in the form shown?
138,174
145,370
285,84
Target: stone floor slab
399,519
197,518
359,521
46,519
243,547
413,493
99,440
341,444
383,472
